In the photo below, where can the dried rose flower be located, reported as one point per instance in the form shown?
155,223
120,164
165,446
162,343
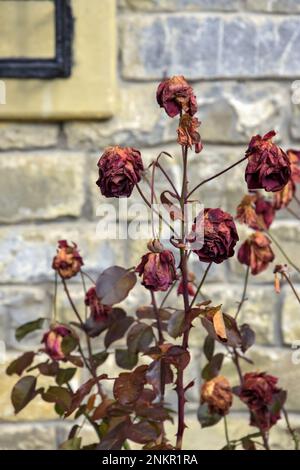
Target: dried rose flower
67,261
176,95
263,398
255,211
99,312
268,165
53,341
119,171
282,199
188,134
158,270
282,269
256,252
217,394
220,235
294,158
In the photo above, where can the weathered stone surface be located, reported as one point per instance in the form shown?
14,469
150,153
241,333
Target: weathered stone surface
277,362
230,113
31,436
210,46
41,185
276,6
177,5
22,136
290,315
26,252
19,305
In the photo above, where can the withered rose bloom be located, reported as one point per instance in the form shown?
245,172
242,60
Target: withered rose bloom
158,270
99,312
256,212
263,398
119,171
67,261
219,235
176,95
282,199
53,340
188,132
256,252
190,287
268,165
217,394
294,158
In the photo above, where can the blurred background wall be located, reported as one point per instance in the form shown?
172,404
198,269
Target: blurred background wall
243,57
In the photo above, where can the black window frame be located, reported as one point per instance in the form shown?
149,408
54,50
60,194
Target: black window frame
60,65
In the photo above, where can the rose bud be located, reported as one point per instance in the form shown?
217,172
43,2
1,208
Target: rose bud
190,286
176,95
294,158
256,252
217,394
99,312
119,171
263,398
67,261
188,134
268,165
282,199
282,269
157,269
220,235
53,340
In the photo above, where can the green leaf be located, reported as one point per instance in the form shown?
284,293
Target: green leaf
176,323
114,284
213,368
23,392
47,369
20,364
206,418
209,347
126,359
117,330
71,444
99,358
139,338
59,395
65,375
68,344
27,328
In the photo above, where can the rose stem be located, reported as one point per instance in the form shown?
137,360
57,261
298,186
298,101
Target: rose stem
244,293
296,199
55,298
154,210
89,364
290,429
167,294
226,432
88,276
216,175
184,274
168,178
201,284
84,290
293,213
292,286
160,341
282,251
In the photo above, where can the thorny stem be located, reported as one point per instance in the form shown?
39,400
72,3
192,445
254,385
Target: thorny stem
201,284
282,251
158,319
292,286
290,429
216,175
244,293
89,364
167,294
184,274
168,178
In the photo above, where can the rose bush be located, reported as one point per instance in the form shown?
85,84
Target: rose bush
133,407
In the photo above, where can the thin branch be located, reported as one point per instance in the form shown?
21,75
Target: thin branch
293,213
290,429
216,176
244,292
201,284
292,286
282,251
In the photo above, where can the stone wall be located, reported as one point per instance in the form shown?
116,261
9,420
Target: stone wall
243,56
